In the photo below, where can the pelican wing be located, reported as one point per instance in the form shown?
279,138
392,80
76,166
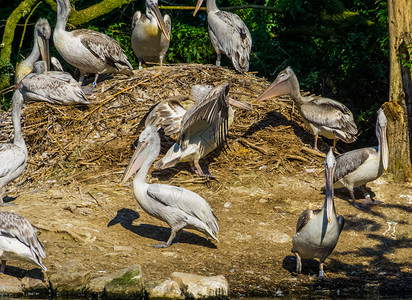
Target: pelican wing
185,200
56,89
11,158
136,18
349,161
15,226
305,217
230,35
168,23
167,114
213,109
329,113
104,47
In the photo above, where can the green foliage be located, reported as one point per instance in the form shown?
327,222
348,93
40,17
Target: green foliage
190,44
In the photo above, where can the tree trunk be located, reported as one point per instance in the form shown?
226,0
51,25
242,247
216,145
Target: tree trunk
399,108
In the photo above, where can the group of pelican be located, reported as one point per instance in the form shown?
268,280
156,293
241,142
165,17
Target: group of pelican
200,129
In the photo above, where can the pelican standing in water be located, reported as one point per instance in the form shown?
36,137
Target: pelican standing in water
178,207
322,116
317,232
201,129
13,157
18,241
151,34
88,50
358,167
228,35
42,33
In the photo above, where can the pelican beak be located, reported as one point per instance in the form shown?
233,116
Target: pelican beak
44,50
239,104
279,87
198,5
159,19
330,165
384,147
135,163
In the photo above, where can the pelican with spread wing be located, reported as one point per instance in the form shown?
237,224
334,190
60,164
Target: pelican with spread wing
178,207
229,35
322,116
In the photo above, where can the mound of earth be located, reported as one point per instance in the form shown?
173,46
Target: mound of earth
266,178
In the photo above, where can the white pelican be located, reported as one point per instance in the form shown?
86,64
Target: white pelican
228,35
151,34
13,157
88,50
201,129
54,87
178,207
18,241
317,232
358,167
42,33
322,116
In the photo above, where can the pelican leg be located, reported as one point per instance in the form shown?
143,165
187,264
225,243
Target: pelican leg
315,147
161,61
321,270
218,59
298,263
169,241
3,266
140,63
96,76
81,78
360,206
368,199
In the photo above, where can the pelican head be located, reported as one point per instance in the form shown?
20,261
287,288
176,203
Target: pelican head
40,67
198,5
149,145
330,164
281,85
381,125
43,30
152,9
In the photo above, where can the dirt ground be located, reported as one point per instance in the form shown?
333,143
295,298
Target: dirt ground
264,181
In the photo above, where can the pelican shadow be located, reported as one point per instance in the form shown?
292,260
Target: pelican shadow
126,216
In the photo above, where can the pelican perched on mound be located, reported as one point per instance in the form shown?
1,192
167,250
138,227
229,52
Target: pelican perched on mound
201,129
18,241
178,207
229,35
88,50
317,232
151,34
54,87
13,157
358,167
42,33
322,116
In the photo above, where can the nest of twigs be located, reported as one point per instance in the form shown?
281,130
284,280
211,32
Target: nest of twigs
88,142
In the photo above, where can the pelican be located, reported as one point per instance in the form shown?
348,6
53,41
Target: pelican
228,35
54,87
18,241
178,207
201,129
151,34
13,157
88,50
358,167
317,232
322,116
42,32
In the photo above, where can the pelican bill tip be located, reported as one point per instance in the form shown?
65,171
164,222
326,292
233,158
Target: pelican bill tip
328,220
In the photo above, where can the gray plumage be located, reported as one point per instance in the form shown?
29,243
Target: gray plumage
229,35
358,167
178,207
317,232
88,50
19,241
322,116
151,34
52,86
13,157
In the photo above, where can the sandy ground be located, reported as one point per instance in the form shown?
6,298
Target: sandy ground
266,179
